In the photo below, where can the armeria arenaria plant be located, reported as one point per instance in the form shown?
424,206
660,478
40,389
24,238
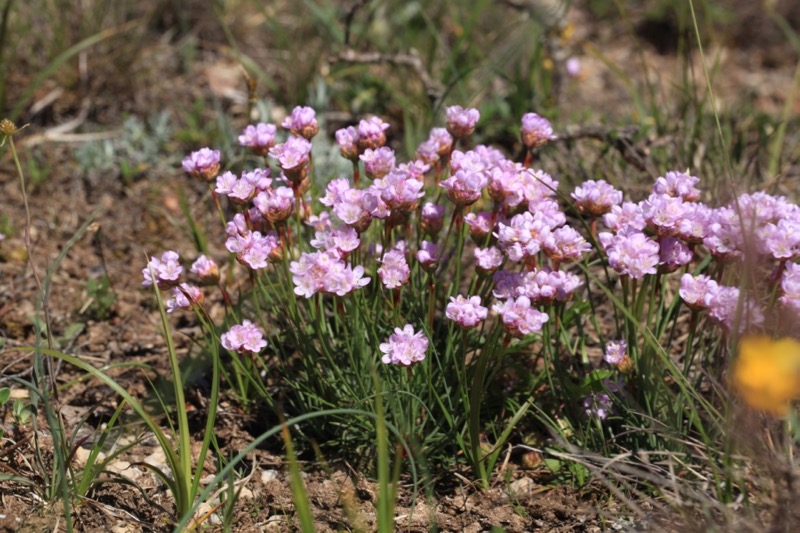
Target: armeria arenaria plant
474,287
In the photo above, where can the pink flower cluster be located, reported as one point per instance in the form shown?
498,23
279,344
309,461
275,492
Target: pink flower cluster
252,248
246,337
327,273
404,347
202,164
259,138
467,312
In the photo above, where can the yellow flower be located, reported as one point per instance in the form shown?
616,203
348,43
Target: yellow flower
766,373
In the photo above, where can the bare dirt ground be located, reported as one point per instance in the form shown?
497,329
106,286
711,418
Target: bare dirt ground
141,214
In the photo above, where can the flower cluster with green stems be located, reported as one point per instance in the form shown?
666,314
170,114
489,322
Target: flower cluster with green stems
468,282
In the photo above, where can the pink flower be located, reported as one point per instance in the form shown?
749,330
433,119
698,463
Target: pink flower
565,245
519,318
167,270
467,312
678,185
432,218
596,198
724,310
404,347
371,133
259,138
487,260
663,214
460,121
674,254
347,138
633,255
244,338
428,255
183,296
276,205
428,151
378,162
205,269
480,225
293,157
698,291
625,218
399,191
536,131
464,187
615,352
302,122
781,240
202,164
790,287
341,240
522,237
443,141
325,272
573,67
394,271
253,249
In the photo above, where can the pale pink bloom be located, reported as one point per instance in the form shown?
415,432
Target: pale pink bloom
565,245
205,269
302,122
244,338
203,163
615,352
487,260
625,218
371,133
480,225
596,198
674,254
167,271
404,347
465,187
347,138
432,218
536,131
633,255
394,271
183,296
259,138
467,312
428,255
519,318
678,185
378,162
697,291
460,121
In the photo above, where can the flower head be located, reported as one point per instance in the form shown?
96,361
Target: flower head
536,131
519,318
293,157
347,138
371,133
634,254
394,271
467,312
378,162
428,255
259,138
487,260
404,347
206,270
596,198
432,218
302,122
244,338
464,187
183,296
167,271
615,352
461,121
203,163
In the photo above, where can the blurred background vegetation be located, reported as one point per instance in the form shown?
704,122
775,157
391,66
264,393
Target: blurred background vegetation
101,62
